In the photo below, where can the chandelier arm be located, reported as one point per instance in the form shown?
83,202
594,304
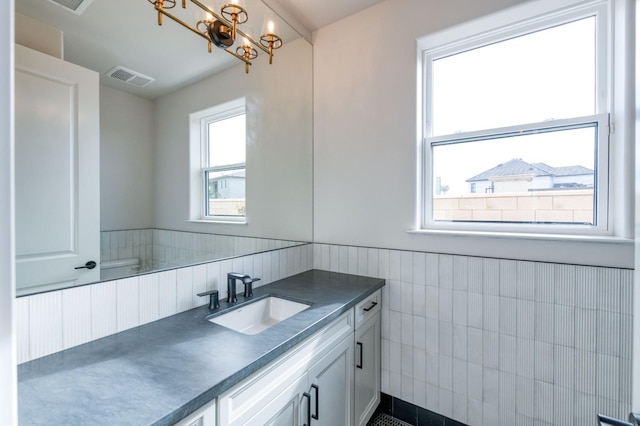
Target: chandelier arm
230,52
181,22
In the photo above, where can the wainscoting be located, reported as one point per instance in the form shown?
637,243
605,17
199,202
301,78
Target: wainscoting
493,341
57,320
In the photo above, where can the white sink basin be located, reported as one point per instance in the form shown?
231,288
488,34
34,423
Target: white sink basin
259,315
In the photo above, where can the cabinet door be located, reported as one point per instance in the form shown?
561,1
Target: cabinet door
367,371
331,386
289,408
205,416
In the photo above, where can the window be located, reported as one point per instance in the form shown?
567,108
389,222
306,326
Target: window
218,142
516,127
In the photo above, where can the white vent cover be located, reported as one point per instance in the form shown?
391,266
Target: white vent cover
75,6
129,76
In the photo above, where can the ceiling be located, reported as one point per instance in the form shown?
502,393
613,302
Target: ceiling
125,33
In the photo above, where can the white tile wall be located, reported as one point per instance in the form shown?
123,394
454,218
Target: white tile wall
51,322
159,248
499,342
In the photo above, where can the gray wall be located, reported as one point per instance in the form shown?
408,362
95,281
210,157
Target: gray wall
365,137
484,330
126,160
279,149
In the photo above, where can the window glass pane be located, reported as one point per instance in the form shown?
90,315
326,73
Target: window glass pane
226,192
534,178
548,74
227,141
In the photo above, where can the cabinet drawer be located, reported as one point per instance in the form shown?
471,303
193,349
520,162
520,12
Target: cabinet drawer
368,308
239,401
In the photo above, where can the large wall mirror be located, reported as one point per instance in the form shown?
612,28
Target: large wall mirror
146,141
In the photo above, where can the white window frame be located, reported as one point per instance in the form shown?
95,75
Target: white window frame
525,19
199,154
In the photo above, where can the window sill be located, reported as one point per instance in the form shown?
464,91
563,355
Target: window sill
218,221
608,251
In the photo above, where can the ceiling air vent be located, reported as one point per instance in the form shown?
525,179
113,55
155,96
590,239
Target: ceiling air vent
75,6
129,76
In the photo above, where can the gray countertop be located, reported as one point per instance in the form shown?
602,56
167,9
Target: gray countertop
163,371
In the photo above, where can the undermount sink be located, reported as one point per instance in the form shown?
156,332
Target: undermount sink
259,315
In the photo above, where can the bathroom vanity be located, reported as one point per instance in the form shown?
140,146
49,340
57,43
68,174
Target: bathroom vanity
320,366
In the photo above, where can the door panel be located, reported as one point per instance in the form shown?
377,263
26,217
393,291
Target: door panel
289,408
367,372
332,394
57,172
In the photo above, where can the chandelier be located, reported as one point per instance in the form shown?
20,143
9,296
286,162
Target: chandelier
221,29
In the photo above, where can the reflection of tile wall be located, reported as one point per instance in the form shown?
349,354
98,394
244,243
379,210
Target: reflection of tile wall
495,341
158,248
57,320
116,245
171,248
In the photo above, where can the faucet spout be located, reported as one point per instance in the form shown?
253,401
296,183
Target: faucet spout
231,285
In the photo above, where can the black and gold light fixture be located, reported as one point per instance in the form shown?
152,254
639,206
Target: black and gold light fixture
223,28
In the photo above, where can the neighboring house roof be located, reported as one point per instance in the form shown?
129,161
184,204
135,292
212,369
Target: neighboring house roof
239,175
517,167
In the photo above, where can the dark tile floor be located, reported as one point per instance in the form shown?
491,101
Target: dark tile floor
381,419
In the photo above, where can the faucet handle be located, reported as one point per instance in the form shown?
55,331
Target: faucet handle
214,299
248,287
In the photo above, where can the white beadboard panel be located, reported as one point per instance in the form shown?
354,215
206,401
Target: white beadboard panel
66,318
460,273
525,280
184,289
525,320
587,281
45,324
445,271
626,292
545,282
128,303
21,307
149,302
76,316
258,270
104,319
508,277
276,272
394,265
553,364
247,265
343,260
200,283
565,285
491,276
419,263
168,293
508,315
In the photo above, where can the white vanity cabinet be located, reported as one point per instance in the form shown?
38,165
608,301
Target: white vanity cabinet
205,416
312,380
332,378
367,358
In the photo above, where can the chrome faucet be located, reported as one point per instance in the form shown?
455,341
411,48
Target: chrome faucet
231,286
